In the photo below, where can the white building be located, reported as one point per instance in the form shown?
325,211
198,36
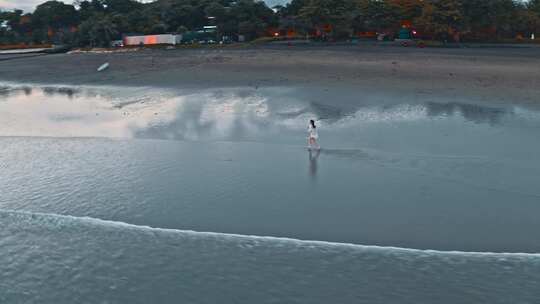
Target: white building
153,39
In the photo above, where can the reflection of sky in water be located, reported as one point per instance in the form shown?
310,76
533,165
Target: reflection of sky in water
220,114
64,112
384,167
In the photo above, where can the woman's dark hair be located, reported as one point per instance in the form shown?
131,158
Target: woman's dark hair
313,123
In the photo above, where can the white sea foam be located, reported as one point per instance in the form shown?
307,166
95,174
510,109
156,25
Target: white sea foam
64,220
48,258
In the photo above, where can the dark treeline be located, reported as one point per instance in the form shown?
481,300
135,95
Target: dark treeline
97,22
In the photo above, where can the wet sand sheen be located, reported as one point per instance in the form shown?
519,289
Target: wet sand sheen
419,175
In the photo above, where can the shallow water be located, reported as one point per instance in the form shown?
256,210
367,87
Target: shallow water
445,175
58,259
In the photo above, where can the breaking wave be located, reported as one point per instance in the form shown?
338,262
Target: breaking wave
65,221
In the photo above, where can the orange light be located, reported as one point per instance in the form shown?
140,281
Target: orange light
150,40
276,34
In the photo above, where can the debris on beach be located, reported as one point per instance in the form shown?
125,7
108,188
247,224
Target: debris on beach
103,67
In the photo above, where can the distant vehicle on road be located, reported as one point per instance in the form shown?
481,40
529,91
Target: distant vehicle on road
117,43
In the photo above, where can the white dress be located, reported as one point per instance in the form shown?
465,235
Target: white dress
312,132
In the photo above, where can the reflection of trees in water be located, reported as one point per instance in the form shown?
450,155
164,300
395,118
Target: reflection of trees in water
328,113
6,91
49,91
277,103
197,120
234,115
65,91
188,124
471,112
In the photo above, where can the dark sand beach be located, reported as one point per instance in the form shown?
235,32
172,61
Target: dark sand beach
493,75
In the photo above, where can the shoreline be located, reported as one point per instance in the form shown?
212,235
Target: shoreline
490,76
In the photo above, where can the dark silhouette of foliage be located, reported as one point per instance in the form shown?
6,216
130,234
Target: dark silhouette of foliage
97,22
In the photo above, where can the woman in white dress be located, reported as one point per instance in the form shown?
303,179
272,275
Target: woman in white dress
313,135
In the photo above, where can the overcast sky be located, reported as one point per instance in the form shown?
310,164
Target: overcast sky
26,5
29,5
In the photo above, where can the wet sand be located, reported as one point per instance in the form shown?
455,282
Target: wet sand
444,176
491,75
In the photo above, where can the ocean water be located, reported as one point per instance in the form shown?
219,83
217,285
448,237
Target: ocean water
408,201
64,259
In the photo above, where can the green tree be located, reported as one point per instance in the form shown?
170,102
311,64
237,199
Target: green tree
182,29
98,32
100,20
534,7
249,18
55,14
121,6
293,8
491,19
442,17
336,15
216,10
375,15
406,9
88,8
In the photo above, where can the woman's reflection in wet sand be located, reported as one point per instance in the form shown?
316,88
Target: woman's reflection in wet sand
313,159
